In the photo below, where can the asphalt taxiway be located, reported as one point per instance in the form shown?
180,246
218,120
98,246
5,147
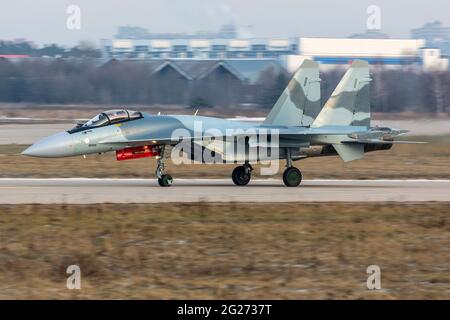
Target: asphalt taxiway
86,190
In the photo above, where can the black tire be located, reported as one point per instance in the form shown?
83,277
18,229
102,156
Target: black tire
165,180
240,177
292,177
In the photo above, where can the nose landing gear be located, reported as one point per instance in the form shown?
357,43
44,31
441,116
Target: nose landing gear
164,180
241,175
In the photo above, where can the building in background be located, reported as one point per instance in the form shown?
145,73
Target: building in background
219,48
370,34
336,52
200,83
432,60
227,31
435,35
374,47
379,52
139,43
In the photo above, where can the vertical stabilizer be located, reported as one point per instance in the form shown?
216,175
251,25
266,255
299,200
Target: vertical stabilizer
349,105
299,104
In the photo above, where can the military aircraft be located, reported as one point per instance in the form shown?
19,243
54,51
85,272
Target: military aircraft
296,128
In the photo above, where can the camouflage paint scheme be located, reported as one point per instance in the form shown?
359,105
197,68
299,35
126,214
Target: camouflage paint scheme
349,104
342,126
299,104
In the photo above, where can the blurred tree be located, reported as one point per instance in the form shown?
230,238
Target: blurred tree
63,80
10,47
84,49
269,86
52,50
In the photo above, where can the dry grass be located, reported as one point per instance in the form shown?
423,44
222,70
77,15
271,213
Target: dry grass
289,251
402,161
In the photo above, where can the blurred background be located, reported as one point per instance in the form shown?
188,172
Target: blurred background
63,61
206,54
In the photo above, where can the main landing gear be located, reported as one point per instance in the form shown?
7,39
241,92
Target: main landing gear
164,180
292,177
241,175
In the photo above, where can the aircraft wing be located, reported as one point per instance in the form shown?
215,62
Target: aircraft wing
375,141
144,142
288,135
283,133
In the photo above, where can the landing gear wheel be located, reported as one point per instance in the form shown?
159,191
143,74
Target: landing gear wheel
292,177
241,176
165,180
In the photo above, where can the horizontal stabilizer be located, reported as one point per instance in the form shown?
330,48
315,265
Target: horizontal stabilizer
349,152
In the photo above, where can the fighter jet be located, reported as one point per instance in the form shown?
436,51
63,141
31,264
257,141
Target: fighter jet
296,128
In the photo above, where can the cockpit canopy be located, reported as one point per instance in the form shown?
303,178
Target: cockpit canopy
108,117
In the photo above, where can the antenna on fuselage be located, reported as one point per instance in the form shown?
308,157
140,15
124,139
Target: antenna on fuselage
195,113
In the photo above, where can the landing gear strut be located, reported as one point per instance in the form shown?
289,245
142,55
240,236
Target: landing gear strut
291,176
164,180
241,175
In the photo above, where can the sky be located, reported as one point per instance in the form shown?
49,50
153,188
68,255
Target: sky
45,21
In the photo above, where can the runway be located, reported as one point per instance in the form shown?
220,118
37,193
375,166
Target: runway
85,191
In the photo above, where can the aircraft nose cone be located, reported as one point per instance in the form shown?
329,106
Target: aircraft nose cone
57,145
